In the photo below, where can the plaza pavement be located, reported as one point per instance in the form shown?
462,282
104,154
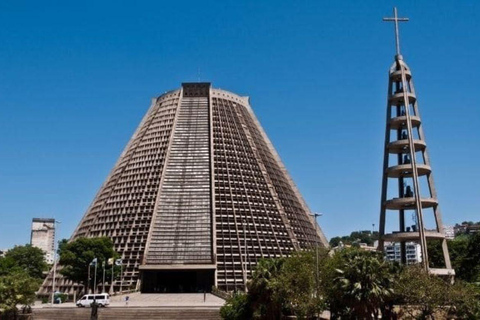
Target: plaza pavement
153,300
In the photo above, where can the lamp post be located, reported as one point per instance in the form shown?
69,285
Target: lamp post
54,259
316,214
93,263
95,278
88,282
103,281
113,275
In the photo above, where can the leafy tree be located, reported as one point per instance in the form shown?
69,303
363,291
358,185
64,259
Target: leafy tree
335,241
61,245
425,296
28,258
358,283
464,299
464,256
20,276
17,287
364,236
280,287
354,284
7,265
263,293
421,294
435,253
237,307
458,249
298,285
469,267
76,256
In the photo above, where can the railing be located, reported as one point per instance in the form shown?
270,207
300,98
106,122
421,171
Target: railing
220,293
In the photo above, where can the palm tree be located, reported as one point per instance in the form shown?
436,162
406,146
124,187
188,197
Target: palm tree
363,284
262,288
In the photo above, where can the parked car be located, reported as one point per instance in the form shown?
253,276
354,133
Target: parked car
102,299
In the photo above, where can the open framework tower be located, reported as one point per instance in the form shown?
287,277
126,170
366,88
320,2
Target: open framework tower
406,168
198,196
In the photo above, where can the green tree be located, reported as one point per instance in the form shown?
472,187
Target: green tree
364,236
7,265
28,258
298,285
421,294
464,256
280,287
469,266
76,256
354,284
61,245
237,307
358,283
435,254
458,249
17,287
335,241
266,302
464,300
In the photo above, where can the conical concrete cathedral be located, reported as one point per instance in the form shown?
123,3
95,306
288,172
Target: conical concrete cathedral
197,197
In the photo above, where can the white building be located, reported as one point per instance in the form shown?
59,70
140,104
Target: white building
449,232
43,236
393,252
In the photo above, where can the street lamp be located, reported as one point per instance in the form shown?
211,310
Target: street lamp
316,214
54,260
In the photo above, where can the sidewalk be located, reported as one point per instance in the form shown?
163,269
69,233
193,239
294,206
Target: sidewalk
152,300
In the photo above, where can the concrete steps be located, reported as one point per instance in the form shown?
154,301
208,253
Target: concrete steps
128,313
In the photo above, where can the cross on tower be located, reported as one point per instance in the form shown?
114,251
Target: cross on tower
396,19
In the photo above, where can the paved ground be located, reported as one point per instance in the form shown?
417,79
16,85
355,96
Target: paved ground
168,300
155,300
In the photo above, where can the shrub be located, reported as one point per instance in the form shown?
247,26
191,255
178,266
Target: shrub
237,307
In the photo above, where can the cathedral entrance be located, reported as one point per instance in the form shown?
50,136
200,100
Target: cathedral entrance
177,281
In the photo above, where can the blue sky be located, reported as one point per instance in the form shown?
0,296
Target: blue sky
77,78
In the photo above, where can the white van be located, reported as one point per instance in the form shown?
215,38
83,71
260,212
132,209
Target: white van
103,300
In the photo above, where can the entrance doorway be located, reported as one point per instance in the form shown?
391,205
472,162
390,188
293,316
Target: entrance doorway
177,281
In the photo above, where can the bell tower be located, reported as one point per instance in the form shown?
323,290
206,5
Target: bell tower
408,189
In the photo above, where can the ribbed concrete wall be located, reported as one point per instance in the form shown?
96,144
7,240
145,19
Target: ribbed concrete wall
181,231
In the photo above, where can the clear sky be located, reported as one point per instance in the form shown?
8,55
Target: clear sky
76,79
